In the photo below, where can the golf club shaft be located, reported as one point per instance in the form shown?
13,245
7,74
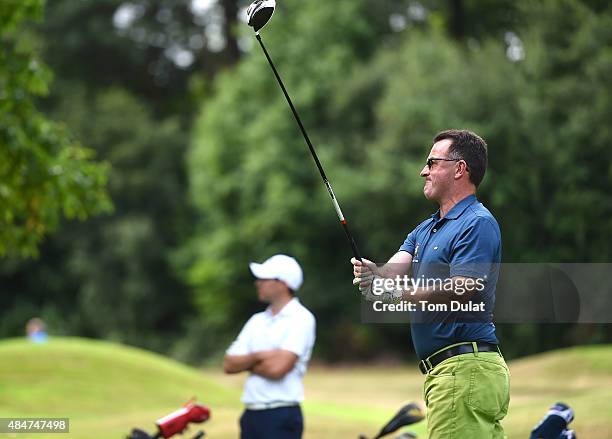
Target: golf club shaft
313,153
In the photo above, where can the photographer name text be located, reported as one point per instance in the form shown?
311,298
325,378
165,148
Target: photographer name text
426,306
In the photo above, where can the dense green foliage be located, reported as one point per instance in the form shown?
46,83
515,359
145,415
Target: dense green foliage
207,169
110,276
373,116
45,173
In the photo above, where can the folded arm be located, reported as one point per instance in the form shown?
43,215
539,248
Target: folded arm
238,363
273,364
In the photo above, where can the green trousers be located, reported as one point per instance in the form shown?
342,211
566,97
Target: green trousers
467,396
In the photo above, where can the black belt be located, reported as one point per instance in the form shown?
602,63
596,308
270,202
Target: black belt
467,348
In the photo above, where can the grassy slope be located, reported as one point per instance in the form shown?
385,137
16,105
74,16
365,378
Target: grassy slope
106,389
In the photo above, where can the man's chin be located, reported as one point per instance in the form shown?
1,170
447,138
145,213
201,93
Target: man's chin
431,196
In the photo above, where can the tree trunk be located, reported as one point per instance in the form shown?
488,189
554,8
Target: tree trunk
457,20
230,13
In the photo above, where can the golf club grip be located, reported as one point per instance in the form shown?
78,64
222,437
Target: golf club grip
313,153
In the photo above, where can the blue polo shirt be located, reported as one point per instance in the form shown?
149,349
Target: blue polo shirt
466,242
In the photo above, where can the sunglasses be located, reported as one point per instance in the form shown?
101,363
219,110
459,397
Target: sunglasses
430,161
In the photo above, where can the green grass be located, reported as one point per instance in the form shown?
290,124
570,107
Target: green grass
106,389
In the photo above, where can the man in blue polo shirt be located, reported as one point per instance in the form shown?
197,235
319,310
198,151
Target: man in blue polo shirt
467,381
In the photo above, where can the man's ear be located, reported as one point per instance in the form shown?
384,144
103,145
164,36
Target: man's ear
461,169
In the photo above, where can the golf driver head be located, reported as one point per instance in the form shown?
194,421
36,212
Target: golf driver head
259,13
408,414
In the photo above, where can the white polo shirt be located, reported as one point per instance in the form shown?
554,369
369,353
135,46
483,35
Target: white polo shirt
292,329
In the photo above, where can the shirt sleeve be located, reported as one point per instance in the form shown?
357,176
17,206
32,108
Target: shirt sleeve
476,250
409,243
300,338
240,346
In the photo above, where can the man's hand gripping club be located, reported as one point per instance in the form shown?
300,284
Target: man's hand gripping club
371,283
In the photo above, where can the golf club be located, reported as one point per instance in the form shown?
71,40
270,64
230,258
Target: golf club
259,13
408,414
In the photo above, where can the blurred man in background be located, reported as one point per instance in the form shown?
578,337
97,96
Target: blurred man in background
274,346
36,330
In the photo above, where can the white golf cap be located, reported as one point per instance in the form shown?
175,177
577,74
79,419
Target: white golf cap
281,267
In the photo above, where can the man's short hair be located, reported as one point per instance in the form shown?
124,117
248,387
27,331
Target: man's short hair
469,147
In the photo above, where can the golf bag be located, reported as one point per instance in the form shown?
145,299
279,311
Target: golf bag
176,422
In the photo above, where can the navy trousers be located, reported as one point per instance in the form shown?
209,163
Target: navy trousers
279,423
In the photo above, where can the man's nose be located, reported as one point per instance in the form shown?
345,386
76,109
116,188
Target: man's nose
425,171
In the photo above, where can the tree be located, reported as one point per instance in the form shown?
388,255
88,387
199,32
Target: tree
157,50
253,182
372,119
44,172
112,276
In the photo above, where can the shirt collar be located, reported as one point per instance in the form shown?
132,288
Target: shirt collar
457,209
286,310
